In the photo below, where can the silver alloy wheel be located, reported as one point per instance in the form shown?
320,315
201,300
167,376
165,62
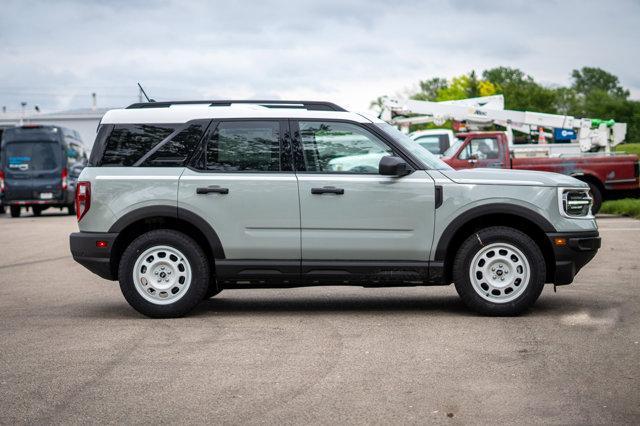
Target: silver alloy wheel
162,275
499,272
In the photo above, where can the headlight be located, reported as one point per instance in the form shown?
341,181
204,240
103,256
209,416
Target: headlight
575,202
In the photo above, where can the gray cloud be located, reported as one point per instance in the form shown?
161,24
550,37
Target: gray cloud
55,54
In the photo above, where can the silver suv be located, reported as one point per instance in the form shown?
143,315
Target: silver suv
184,199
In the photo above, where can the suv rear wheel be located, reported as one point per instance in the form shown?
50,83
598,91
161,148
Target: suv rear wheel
164,274
499,271
15,211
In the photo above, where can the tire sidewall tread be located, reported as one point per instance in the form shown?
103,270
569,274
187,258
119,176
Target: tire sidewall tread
490,235
199,266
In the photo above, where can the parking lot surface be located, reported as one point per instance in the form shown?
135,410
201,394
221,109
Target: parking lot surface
73,351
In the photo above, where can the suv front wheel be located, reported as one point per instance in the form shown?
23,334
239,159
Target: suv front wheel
164,274
499,271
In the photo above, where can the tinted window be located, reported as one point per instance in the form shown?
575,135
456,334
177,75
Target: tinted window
175,152
340,147
251,146
127,143
30,156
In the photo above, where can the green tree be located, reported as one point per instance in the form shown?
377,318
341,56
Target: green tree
429,89
378,104
589,79
503,76
457,89
465,86
598,94
521,92
567,101
473,85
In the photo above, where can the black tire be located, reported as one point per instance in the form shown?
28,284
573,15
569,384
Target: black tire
499,234
596,194
15,211
196,258
37,211
72,209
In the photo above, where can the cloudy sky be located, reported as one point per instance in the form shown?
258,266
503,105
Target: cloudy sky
54,54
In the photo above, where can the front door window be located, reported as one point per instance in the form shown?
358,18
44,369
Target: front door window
333,147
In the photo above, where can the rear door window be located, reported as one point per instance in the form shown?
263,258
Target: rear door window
127,143
244,146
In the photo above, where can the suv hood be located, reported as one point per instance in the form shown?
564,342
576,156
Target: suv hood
511,177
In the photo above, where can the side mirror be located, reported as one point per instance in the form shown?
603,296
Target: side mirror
76,170
393,166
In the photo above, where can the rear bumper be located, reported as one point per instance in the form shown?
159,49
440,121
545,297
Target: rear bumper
96,259
36,203
66,199
579,249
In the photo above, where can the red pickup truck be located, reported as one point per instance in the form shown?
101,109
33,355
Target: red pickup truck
608,175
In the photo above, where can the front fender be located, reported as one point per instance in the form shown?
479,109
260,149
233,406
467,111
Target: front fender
487,210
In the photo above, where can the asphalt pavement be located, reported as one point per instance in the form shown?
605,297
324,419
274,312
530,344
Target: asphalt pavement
73,351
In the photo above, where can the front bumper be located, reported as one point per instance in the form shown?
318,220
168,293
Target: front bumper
579,249
86,252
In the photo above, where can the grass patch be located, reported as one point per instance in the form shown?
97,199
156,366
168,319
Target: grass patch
624,207
629,148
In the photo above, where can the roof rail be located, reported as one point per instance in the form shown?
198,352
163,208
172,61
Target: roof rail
309,105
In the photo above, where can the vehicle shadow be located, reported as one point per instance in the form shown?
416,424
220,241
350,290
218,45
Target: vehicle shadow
285,305
340,304
233,304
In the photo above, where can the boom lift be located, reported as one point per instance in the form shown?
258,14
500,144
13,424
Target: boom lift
591,134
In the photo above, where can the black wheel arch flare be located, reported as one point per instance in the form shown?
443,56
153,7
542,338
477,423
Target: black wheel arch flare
450,233
173,213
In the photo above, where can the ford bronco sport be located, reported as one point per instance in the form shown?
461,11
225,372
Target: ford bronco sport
184,199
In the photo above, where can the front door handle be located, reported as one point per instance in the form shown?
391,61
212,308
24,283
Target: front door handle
215,189
327,190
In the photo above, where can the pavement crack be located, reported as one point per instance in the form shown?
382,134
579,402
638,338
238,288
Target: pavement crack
54,412
33,262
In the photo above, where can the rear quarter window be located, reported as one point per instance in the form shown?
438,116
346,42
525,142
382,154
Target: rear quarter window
175,152
128,143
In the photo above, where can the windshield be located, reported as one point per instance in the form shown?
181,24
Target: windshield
422,154
451,151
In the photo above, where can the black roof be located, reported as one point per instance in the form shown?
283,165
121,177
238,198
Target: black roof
309,105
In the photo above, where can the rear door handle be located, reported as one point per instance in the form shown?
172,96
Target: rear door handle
327,190
212,189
